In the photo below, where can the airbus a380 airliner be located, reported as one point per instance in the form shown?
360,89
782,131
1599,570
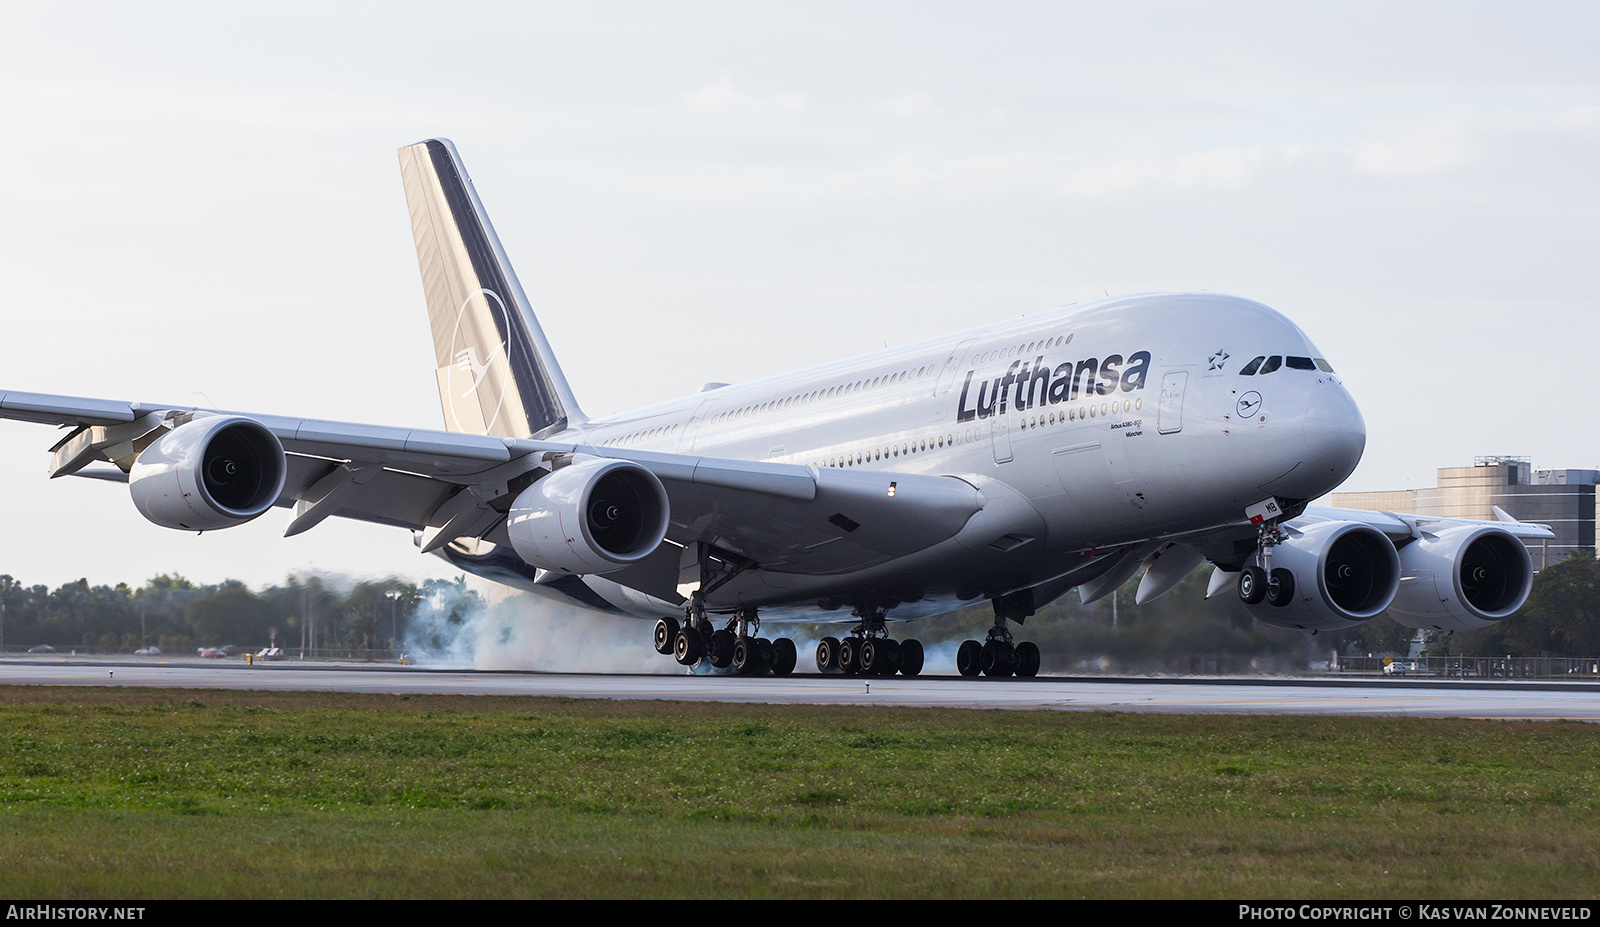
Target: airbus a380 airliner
1011,462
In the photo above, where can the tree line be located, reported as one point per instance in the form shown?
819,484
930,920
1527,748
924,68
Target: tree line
178,616
1561,618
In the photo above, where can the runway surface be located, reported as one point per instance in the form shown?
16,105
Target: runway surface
1207,695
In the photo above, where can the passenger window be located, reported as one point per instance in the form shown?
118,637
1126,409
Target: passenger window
1250,369
1273,363
1301,363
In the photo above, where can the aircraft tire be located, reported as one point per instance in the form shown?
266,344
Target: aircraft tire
720,648
666,635
967,658
746,656
1027,659
997,658
1252,585
910,658
828,655
888,656
784,656
687,647
871,659
850,656
1280,588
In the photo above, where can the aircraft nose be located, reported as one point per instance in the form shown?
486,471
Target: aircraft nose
1335,435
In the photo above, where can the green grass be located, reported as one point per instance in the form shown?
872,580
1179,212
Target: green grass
148,793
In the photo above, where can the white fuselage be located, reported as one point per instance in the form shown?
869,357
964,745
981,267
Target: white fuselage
1121,421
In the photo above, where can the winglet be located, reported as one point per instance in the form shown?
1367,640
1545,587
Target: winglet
1500,514
496,373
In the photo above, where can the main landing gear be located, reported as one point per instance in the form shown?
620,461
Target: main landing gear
734,645
998,655
1259,582
868,650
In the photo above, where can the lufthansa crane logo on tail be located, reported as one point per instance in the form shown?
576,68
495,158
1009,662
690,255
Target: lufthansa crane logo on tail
477,347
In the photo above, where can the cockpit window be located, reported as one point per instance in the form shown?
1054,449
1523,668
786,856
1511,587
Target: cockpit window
1249,369
1301,363
1273,363
1323,365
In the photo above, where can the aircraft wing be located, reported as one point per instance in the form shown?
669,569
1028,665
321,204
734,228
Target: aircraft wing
449,486
1401,528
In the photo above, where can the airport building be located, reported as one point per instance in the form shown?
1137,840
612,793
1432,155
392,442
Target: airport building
1562,499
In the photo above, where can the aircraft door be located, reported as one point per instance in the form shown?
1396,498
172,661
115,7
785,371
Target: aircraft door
691,428
952,365
1170,416
1000,436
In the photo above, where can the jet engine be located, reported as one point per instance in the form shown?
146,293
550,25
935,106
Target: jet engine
590,517
1465,577
212,472
1339,574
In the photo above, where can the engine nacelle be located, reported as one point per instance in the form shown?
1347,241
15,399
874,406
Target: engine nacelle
1344,573
1465,577
213,472
591,517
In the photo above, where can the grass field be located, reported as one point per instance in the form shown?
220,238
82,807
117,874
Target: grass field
162,794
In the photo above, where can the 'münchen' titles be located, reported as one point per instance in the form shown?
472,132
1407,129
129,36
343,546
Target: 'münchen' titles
1040,385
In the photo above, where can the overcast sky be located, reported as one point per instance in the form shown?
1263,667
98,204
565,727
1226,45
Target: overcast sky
201,204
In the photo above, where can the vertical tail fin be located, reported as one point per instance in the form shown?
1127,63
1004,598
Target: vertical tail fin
496,373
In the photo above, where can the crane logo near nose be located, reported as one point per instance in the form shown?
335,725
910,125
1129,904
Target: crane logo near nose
1249,404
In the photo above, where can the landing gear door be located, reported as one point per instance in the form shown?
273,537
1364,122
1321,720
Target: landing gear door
1170,416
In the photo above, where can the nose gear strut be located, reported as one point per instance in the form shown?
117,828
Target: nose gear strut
1259,582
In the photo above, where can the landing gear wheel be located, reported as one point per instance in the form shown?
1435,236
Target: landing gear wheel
872,657
1027,659
888,656
746,656
967,658
850,656
784,656
688,647
666,635
997,658
910,658
1280,588
719,648
828,655
1252,585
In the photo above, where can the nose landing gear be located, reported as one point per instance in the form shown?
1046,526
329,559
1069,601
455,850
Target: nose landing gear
1260,582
